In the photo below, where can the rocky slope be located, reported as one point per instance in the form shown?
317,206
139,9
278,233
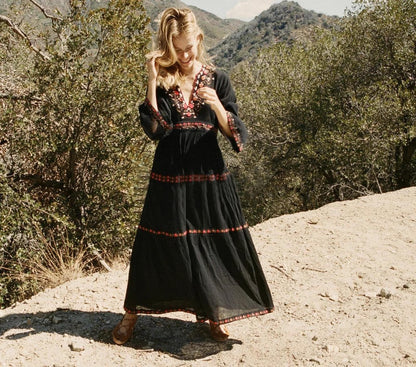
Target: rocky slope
279,23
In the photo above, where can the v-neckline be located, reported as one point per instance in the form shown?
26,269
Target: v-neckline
189,101
189,109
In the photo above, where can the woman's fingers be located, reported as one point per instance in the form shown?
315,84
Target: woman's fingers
152,67
206,92
209,95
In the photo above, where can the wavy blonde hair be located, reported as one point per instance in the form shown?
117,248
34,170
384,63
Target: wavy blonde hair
173,23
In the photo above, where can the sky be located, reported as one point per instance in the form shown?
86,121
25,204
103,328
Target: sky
248,9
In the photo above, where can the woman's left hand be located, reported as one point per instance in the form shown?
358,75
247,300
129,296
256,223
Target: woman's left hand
209,96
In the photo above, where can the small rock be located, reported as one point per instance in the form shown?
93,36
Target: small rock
63,308
56,320
29,322
315,338
315,360
46,321
76,347
313,221
384,294
406,286
333,297
331,348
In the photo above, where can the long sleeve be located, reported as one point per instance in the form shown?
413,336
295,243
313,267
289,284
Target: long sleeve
227,97
156,123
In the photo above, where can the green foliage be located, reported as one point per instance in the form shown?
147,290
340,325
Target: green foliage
72,142
333,116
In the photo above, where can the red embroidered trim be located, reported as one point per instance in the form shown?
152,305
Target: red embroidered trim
234,130
189,178
225,321
240,317
193,231
189,109
193,125
157,116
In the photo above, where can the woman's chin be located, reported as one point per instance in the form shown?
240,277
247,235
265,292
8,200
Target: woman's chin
187,66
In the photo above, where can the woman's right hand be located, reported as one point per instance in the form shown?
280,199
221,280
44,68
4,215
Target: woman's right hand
152,67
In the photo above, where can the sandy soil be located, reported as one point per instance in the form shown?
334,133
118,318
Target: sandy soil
343,280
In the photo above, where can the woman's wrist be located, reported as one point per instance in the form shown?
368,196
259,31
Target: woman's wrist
218,108
151,80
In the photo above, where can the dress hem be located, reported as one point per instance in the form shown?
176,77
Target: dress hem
202,320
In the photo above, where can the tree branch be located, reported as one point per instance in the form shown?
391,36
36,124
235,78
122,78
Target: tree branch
24,36
37,180
15,97
44,11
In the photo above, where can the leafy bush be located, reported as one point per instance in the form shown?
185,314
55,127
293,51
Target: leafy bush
73,152
333,116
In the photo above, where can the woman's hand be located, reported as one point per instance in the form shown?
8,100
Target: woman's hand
153,71
152,67
210,97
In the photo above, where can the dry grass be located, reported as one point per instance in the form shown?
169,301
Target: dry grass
56,262
55,266
119,262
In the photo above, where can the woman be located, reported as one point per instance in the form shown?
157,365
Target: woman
193,251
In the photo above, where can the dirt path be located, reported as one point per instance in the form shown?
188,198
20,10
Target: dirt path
343,280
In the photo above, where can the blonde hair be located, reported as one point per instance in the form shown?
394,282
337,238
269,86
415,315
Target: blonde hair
173,23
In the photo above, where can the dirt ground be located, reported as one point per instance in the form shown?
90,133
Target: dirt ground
343,279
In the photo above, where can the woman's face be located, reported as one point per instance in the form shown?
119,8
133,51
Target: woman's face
186,48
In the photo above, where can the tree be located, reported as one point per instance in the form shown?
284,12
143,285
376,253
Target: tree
334,114
71,138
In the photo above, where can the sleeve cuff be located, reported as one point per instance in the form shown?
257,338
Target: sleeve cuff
156,116
236,138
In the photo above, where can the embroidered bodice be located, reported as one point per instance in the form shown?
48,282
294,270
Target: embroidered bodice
174,114
189,109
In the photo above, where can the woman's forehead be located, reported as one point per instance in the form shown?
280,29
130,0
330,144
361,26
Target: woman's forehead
184,40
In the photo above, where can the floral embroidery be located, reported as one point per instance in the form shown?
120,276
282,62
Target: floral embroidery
193,231
189,109
189,178
234,130
156,116
194,125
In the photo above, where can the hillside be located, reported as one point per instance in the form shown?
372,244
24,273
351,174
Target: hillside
342,279
276,24
215,28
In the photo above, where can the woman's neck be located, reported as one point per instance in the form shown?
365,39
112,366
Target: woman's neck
191,73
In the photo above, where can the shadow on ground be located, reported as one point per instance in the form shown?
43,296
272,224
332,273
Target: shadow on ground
180,339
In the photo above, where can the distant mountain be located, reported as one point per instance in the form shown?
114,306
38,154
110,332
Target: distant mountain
229,41
277,24
215,29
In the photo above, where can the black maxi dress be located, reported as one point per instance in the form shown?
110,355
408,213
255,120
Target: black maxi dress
193,251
